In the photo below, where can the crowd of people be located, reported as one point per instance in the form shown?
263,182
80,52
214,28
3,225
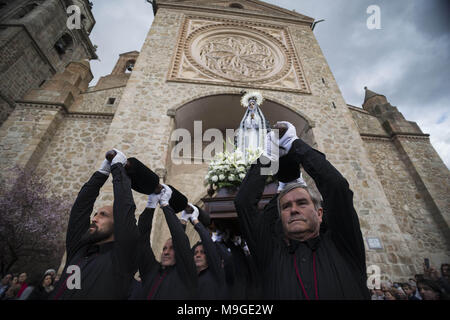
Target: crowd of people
17,287
300,246
431,285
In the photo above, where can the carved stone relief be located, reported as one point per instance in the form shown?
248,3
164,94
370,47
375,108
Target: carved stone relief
237,53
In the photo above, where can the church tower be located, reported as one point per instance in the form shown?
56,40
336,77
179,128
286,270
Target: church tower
197,59
35,44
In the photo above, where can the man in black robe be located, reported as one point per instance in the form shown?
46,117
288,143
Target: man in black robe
295,259
175,277
211,274
104,250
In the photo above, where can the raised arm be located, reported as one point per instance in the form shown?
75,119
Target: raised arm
184,258
212,255
146,258
251,220
80,214
126,232
342,219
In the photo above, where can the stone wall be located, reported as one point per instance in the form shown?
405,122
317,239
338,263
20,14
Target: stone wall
26,134
366,123
70,158
96,101
413,213
22,66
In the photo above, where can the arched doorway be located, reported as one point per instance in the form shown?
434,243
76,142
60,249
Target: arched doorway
222,112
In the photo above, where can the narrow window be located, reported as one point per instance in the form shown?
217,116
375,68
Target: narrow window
63,44
129,66
236,5
111,101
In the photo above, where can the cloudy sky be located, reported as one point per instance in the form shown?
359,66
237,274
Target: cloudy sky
407,60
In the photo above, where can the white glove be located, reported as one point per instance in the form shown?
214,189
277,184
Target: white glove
282,185
166,193
153,200
194,215
105,168
185,216
246,250
289,137
216,236
272,150
237,241
119,158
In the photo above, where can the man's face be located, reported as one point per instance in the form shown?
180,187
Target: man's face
299,218
22,277
427,293
6,279
47,281
200,258
168,254
408,290
102,225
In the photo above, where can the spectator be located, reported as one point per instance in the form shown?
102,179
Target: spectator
430,290
444,280
23,283
5,284
378,294
410,291
43,289
389,294
52,273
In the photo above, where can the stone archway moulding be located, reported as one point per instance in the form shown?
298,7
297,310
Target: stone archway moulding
172,111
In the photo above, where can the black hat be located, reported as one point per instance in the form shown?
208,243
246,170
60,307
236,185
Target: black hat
289,169
178,201
143,179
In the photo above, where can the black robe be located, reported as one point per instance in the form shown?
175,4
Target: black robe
106,269
339,252
211,281
176,282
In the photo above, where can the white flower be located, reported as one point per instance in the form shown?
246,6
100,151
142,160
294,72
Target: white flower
242,175
221,177
214,178
231,177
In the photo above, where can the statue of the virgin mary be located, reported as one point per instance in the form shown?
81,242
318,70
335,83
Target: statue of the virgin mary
252,130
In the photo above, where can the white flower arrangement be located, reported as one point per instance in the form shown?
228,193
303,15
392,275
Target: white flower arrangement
252,94
228,169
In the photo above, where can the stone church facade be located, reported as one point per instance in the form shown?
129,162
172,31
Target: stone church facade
196,59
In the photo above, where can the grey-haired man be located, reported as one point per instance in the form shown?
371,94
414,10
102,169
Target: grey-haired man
297,259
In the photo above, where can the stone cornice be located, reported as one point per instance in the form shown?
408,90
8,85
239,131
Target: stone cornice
414,136
359,110
61,107
90,115
225,11
86,92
